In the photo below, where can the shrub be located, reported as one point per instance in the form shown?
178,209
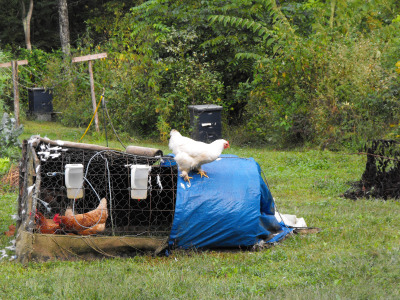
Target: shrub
330,94
4,165
9,133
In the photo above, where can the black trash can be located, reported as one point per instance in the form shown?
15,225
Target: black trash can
40,100
205,121
40,103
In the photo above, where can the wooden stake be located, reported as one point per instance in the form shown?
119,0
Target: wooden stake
16,92
14,64
96,117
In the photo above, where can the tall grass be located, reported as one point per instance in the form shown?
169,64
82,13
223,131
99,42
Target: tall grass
355,256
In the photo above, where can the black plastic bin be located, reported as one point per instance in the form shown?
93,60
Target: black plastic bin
205,121
40,101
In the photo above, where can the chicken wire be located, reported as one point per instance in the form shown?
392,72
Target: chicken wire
107,174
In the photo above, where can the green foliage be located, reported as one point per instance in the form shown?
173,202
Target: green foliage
5,80
153,72
70,84
9,133
293,73
4,165
332,94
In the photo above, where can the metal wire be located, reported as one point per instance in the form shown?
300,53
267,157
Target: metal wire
107,174
112,126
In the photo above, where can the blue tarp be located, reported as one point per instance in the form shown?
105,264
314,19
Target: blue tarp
231,208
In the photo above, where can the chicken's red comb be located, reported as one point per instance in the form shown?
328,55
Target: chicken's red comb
57,219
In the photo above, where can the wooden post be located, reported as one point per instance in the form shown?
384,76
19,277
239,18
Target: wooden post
14,65
96,117
90,58
16,91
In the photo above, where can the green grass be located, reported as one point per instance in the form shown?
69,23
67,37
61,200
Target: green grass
355,256
4,165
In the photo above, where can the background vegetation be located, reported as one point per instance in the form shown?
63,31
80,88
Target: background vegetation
288,73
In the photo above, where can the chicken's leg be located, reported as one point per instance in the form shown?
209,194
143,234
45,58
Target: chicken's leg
186,177
202,173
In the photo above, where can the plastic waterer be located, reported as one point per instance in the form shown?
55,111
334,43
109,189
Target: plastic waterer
139,181
74,180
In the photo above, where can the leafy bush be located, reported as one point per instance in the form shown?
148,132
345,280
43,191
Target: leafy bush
329,97
5,80
327,89
9,133
4,165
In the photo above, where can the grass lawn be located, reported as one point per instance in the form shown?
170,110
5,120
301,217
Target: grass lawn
355,256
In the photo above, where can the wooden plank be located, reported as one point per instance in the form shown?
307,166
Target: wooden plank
8,64
143,151
89,57
67,144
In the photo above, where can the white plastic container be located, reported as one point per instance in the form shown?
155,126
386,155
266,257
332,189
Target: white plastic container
74,180
139,181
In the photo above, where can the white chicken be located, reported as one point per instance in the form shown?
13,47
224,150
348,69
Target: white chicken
191,154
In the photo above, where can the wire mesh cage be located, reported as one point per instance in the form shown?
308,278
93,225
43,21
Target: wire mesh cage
83,201
381,177
107,174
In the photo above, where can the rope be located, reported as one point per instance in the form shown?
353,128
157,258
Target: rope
65,249
96,248
129,245
375,155
95,112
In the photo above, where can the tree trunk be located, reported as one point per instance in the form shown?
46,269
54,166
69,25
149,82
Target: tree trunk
26,22
64,26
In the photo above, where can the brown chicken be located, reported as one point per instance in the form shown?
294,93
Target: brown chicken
84,222
11,230
93,230
46,225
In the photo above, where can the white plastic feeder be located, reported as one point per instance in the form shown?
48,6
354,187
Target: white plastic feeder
74,180
139,181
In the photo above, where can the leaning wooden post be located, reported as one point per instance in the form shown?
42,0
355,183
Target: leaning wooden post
96,117
90,58
14,65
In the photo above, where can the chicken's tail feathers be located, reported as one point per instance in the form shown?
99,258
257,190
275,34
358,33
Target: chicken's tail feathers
69,212
174,132
103,207
103,204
